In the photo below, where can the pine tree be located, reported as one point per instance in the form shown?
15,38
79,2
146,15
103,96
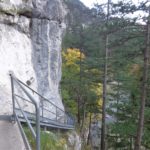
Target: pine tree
143,89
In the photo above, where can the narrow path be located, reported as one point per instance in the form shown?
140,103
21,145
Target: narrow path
10,137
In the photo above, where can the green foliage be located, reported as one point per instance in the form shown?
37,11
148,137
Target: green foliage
125,61
81,88
70,103
49,140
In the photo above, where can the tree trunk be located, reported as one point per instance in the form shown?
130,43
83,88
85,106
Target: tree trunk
103,128
89,135
78,106
78,115
140,129
83,119
80,96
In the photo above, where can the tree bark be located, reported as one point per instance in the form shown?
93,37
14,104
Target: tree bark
83,119
89,135
80,88
78,115
140,128
103,128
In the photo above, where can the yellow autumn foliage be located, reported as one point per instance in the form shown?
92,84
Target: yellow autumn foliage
98,89
72,55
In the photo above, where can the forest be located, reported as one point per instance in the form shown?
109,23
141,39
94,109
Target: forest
105,73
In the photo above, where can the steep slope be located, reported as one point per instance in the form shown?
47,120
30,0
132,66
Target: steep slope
78,13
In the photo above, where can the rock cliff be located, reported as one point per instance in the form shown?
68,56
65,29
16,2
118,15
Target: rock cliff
30,46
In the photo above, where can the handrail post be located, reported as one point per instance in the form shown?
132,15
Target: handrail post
13,100
42,103
65,121
38,145
56,114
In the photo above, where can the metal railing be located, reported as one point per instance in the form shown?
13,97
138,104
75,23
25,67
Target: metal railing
45,112
15,100
57,112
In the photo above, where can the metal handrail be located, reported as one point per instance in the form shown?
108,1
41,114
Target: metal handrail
60,120
36,104
46,110
43,98
16,95
27,120
27,145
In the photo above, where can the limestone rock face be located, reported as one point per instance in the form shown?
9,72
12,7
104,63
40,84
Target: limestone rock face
30,46
74,141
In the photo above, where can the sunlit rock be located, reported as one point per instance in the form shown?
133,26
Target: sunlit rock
30,46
